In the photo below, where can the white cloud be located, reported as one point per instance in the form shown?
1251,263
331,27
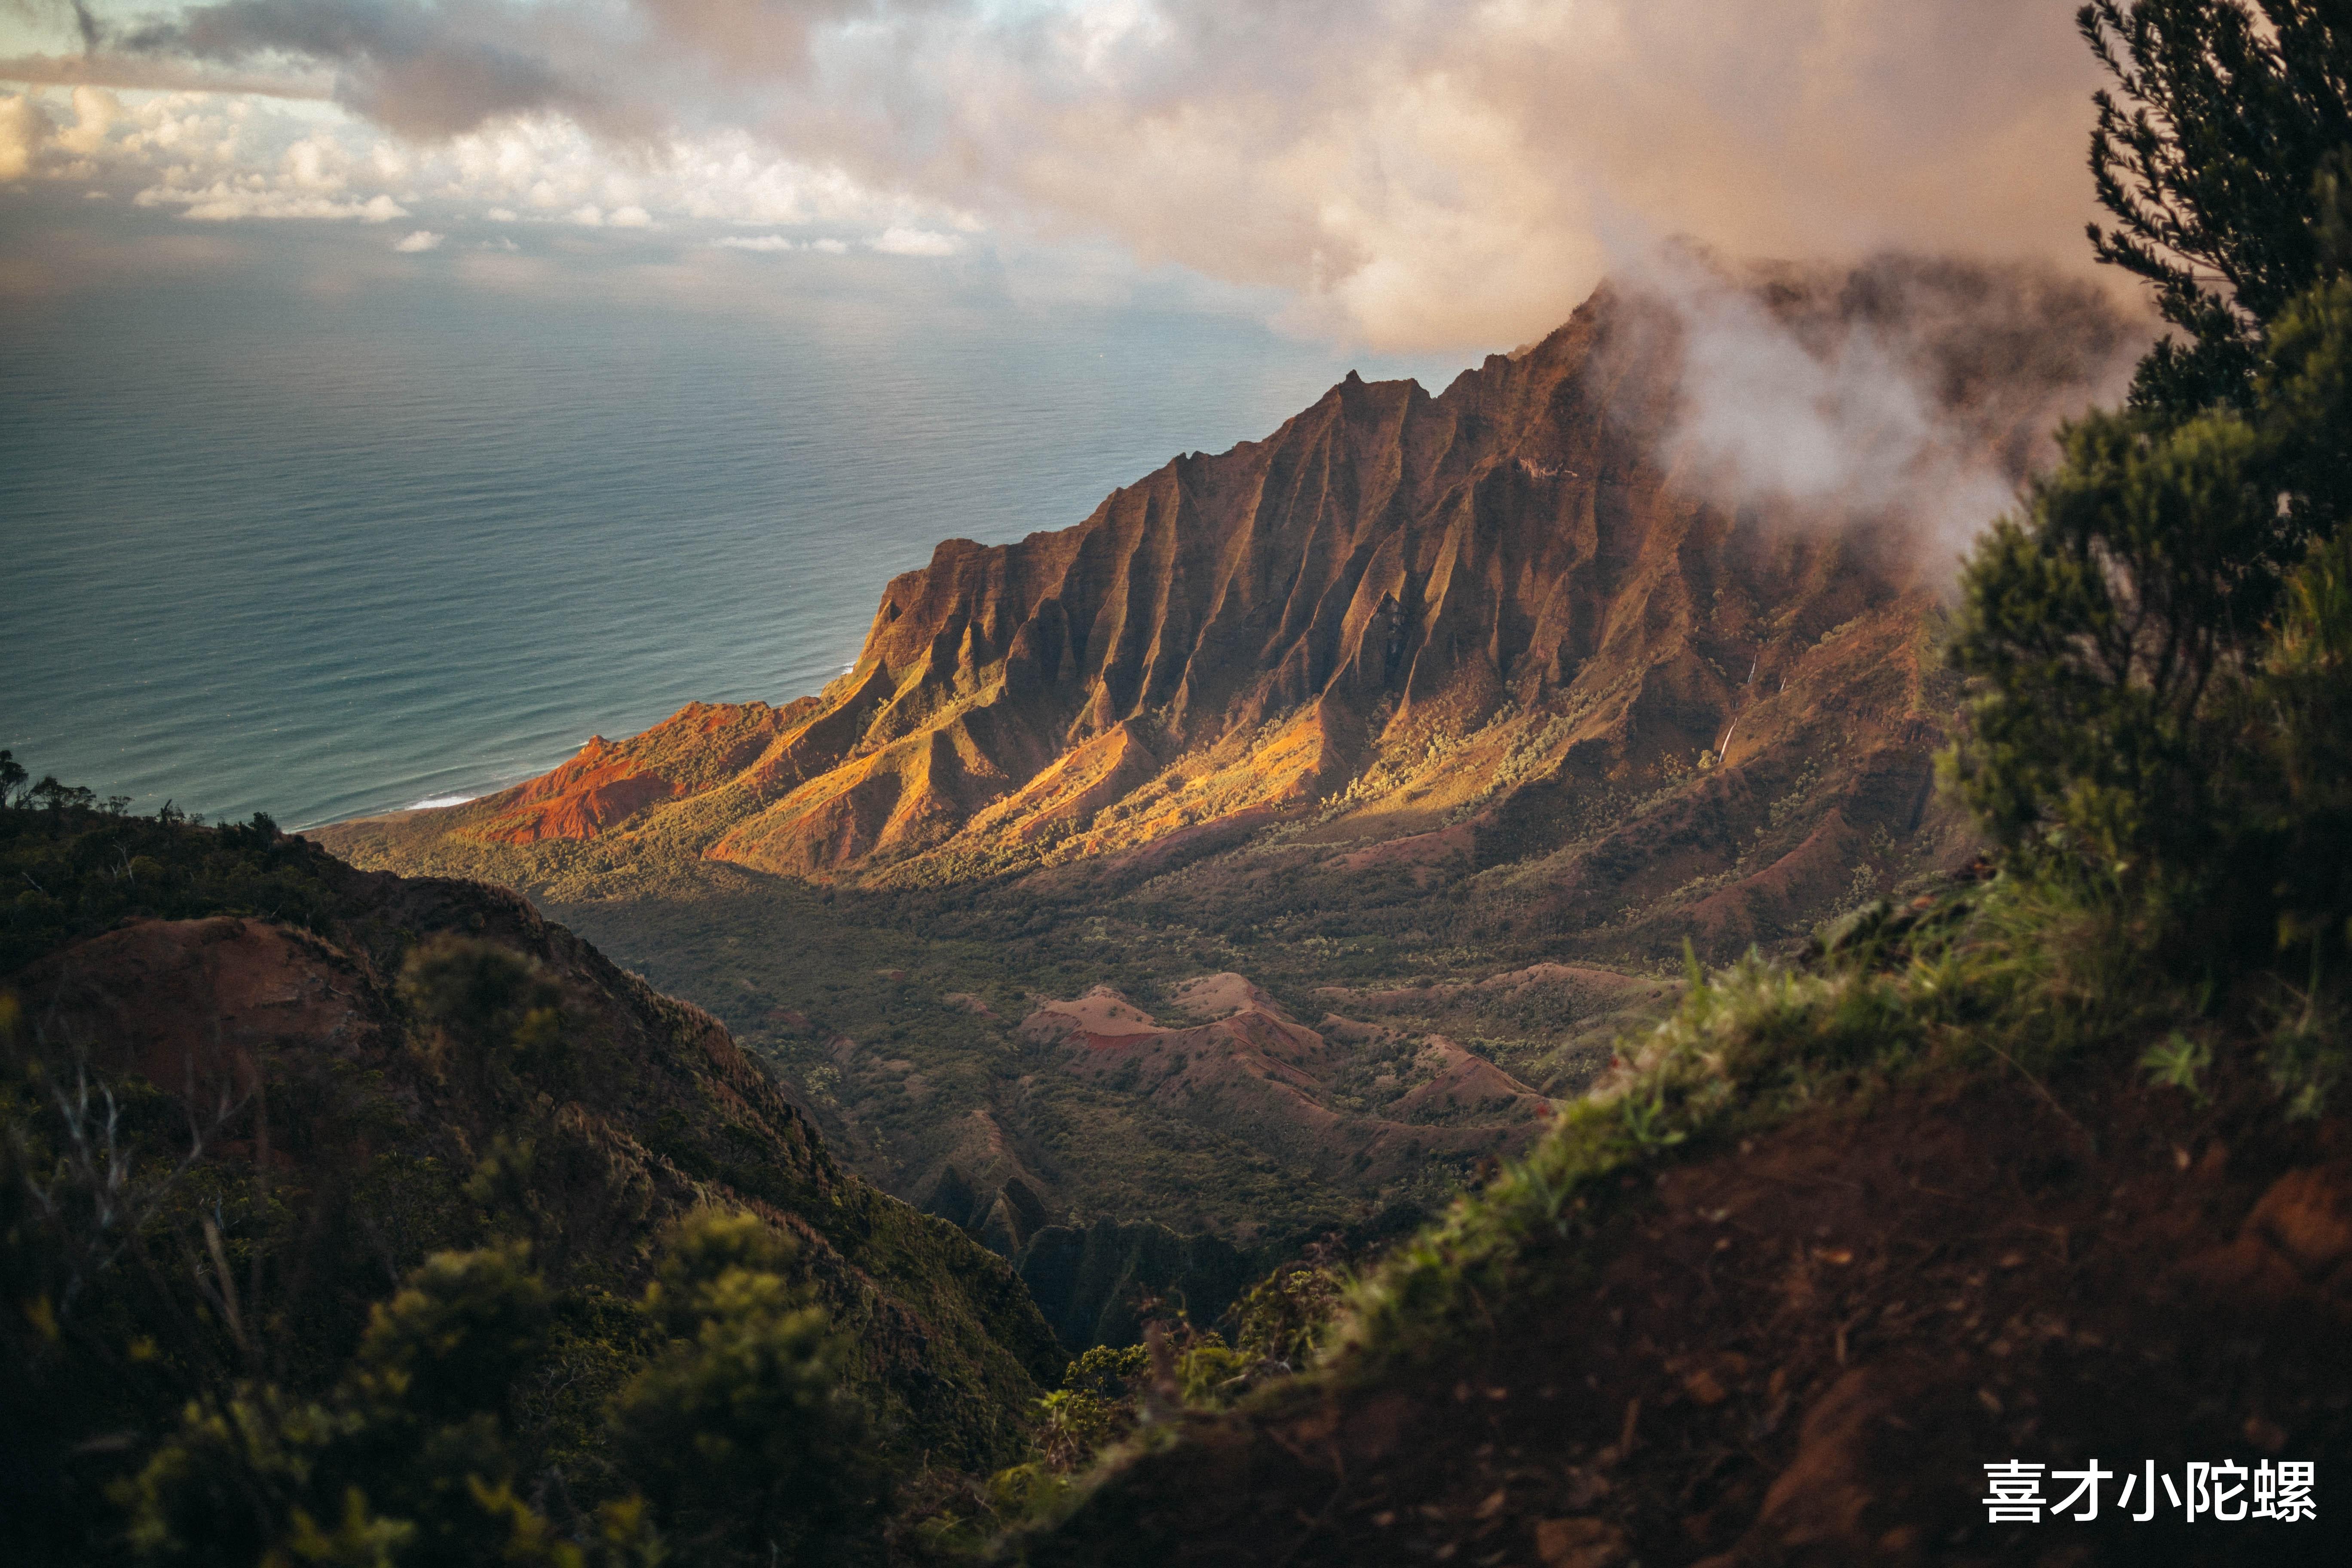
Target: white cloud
23,128
315,164
95,112
830,246
219,157
902,241
224,202
755,242
422,240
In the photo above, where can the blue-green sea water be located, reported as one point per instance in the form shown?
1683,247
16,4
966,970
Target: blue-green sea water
262,549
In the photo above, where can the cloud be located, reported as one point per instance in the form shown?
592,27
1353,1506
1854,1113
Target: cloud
761,242
422,71
164,75
914,242
23,127
1920,392
224,203
96,109
1407,174
631,216
422,240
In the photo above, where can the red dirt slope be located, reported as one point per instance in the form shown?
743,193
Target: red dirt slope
1805,1352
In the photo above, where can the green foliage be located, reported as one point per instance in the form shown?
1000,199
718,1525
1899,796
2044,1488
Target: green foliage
2105,627
2152,642
1210,1373
2176,1061
1024,1494
2223,118
464,1323
1074,1425
2158,644
491,1010
2308,1051
151,1268
1282,1319
736,1438
74,867
410,1459
739,1435
1108,1371
1279,1324
2289,805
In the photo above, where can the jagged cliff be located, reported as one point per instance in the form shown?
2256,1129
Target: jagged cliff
1499,614
1438,718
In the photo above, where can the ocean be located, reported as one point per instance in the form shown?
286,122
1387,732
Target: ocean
322,553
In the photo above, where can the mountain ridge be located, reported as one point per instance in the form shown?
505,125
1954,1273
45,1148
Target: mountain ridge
1414,695
1267,634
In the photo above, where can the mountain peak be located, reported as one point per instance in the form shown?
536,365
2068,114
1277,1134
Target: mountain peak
1398,615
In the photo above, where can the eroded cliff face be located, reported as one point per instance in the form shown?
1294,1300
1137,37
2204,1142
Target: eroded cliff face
1476,628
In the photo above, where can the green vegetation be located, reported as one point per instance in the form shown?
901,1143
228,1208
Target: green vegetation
734,1445
78,866
2224,119
1127,1400
2159,644
444,1099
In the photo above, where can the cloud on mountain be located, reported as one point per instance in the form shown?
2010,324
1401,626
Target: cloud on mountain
1411,174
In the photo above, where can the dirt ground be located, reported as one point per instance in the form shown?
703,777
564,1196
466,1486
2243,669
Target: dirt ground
1805,1350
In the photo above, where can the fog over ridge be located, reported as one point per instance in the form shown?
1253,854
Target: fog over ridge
1915,395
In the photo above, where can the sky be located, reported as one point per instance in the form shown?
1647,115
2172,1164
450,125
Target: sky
1403,177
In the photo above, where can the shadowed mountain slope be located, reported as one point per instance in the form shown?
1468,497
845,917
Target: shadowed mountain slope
1806,1347
351,1123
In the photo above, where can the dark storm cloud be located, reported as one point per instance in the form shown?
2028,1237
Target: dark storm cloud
420,72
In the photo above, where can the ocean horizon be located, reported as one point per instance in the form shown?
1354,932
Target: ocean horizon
325,556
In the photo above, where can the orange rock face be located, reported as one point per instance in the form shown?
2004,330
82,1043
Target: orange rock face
610,784
599,787
1455,620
